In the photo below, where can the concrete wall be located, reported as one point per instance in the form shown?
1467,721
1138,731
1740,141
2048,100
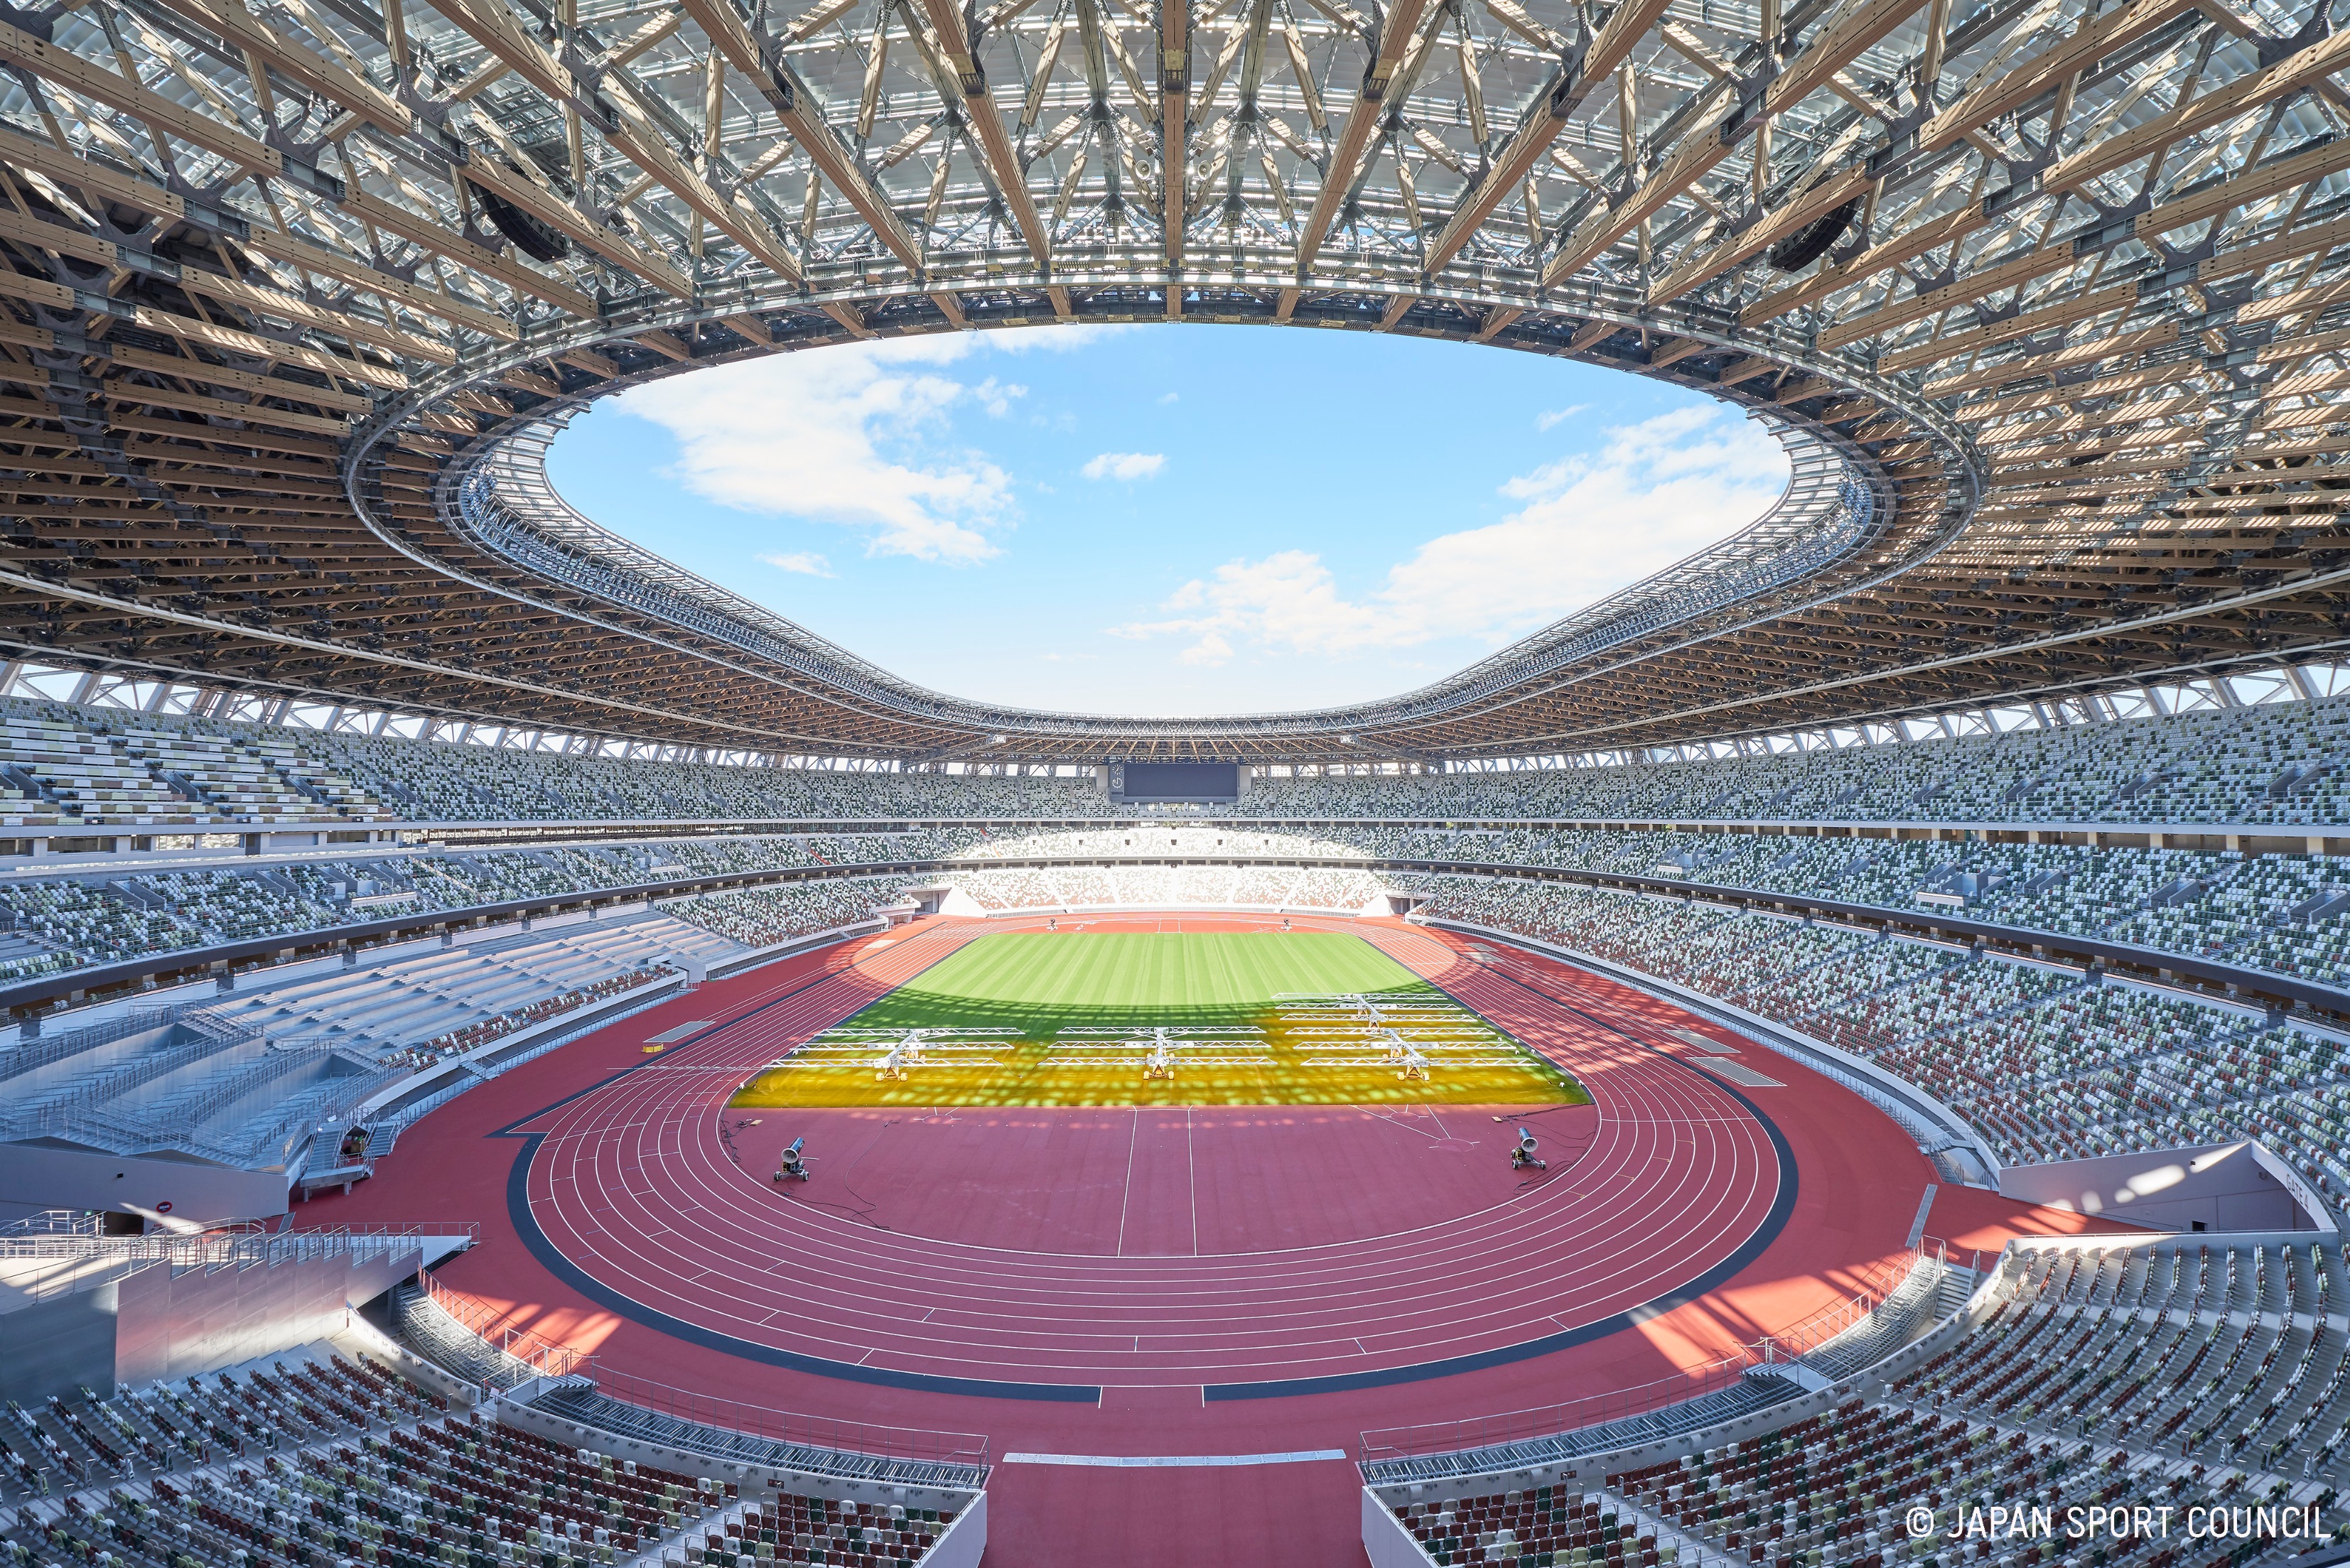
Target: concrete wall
58,1345
181,1323
137,1323
1385,1539
959,902
2223,1187
35,1178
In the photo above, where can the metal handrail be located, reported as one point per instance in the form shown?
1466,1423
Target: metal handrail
1470,1432
542,1356
234,1246
880,1441
27,1055
54,1223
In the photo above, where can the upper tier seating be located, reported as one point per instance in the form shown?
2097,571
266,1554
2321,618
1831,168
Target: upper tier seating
1289,888
2286,763
106,767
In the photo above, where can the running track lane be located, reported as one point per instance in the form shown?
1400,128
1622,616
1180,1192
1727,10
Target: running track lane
635,1202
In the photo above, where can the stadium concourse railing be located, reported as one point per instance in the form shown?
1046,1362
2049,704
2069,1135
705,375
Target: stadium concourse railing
543,1368
207,1249
1689,1400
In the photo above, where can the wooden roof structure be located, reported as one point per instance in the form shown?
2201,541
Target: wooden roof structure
2048,299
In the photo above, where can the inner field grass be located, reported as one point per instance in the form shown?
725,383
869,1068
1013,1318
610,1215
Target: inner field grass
1043,983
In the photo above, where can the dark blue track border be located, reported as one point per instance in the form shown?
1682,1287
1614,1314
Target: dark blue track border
527,1226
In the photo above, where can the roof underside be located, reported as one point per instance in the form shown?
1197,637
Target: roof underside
2043,296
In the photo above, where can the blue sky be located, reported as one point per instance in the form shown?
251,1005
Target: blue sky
1168,519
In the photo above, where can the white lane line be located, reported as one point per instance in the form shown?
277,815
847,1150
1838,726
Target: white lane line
1126,1196
1175,1461
1191,1170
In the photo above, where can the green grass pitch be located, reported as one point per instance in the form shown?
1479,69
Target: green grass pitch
1042,984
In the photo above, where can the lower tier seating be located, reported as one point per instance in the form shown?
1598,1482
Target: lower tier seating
1541,1525
2045,1062
2187,1373
322,1459
800,1529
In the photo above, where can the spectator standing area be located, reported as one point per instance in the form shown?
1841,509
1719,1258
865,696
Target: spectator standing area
1118,1295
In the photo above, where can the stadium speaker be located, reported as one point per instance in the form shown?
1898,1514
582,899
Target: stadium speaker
532,237
1797,251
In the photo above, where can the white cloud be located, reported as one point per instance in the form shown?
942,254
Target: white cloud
807,563
1170,397
1287,600
1550,419
1126,465
996,395
859,435
1653,493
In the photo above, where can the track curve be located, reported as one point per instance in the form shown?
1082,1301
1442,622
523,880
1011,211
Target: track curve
628,1189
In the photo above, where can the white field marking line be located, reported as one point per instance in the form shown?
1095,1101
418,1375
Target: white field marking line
1176,1461
1379,1115
1192,1171
1126,1197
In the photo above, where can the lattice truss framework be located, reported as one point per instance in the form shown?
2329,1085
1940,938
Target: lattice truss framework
2064,280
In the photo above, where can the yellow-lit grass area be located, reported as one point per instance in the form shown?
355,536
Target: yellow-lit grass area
1045,984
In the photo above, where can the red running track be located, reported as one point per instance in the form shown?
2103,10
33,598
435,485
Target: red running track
632,1184
1626,1221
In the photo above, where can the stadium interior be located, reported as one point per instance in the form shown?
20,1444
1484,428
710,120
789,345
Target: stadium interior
1835,1054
